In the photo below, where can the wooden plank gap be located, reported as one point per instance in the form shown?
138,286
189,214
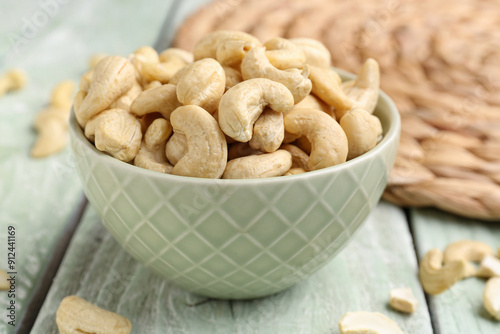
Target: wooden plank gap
432,313
42,288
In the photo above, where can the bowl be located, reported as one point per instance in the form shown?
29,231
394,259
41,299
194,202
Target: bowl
236,239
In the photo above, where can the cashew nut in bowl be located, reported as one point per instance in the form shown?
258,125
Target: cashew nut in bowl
170,53
311,101
176,148
151,155
326,86
153,84
362,130
162,72
259,166
295,171
124,101
202,83
238,150
228,47
284,54
116,132
268,131
299,157
233,77
328,140
207,148
257,65
142,55
85,80
316,52
363,91
161,99
241,105
112,77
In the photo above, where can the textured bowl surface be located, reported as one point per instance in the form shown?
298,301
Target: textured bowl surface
236,238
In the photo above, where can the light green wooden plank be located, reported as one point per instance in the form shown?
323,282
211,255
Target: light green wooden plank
379,258
38,196
460,309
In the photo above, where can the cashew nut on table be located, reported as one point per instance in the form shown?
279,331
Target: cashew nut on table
236,107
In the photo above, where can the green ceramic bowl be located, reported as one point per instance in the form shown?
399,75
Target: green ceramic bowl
236,239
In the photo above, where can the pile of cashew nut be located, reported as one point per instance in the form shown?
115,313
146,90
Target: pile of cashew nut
234,108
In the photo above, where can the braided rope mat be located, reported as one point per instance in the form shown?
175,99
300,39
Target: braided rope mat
440,62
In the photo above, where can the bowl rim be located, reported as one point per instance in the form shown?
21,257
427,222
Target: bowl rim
392,133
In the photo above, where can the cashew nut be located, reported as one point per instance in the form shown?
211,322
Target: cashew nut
85,80
142,55
468,250
96,58
202,83
435,277
259,166
242,104
311,101
326,85
125,101
238,150
176,148
364,90
76,315
362,130
403,300
151,155
207,148
491,297
328,140
295,171
367,323
4,284
316,52
284,54
14,79
299,157
257,65
51,124
77,100
177,77
112,77
171,53
233,77
268,131
153,84
228,47
62,95
116,132
162,72
161,99
489,267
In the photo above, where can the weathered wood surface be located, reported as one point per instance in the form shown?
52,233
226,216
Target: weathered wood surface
460,309
39,197
51,42
380,257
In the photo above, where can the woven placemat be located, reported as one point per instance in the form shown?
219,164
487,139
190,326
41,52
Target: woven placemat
440,62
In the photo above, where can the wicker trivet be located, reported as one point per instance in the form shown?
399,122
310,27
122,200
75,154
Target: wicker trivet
440,62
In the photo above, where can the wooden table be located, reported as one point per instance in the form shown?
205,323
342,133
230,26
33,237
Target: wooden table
62,247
